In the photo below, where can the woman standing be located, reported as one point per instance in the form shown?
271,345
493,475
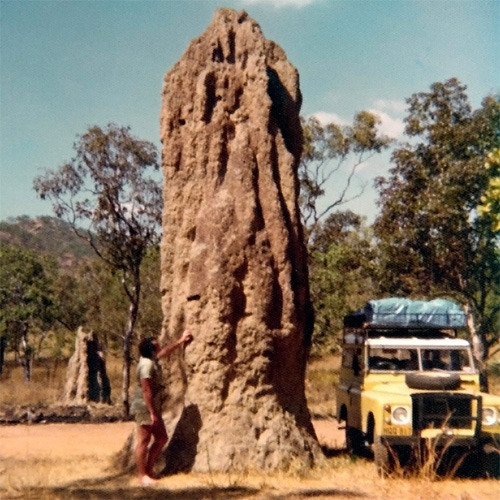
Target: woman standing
147,405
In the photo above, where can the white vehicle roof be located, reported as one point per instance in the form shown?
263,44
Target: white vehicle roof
414,342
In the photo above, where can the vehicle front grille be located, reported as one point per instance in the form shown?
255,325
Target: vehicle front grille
437,410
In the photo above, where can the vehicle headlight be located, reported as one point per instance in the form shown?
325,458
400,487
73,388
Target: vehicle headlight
489,416
400,415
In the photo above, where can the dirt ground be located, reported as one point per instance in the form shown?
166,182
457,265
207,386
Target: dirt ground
329,434
55,461
62,440
65,440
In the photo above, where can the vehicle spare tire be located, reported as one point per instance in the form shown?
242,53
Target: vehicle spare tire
433,381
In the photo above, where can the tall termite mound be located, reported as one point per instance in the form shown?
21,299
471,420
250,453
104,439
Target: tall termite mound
234,266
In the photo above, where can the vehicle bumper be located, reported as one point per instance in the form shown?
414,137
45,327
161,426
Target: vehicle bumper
441,441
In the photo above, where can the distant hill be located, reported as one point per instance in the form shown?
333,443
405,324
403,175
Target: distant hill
45,234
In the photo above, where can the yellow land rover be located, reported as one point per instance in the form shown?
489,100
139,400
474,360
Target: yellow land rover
408,384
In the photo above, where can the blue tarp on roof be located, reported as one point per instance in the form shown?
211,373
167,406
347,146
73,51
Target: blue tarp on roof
405,312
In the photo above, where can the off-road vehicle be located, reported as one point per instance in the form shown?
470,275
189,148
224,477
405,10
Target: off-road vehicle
408,386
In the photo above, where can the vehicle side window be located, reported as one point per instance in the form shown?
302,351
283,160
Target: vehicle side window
352,359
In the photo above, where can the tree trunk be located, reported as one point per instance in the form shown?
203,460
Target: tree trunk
479,348
134,297
3,343
26,357
126,371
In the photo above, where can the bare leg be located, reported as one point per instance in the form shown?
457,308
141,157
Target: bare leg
141,451
160,440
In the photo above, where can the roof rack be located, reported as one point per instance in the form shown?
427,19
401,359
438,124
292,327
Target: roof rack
405,313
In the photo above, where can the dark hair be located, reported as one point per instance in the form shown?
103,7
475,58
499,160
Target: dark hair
147,347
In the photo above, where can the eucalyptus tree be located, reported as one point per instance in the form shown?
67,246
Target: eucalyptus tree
342,267
109,195
330,151
432,238
28,306
106,304
489,209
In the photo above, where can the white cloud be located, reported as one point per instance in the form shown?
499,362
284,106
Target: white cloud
391,116
390,126
390,113
326,118
281,3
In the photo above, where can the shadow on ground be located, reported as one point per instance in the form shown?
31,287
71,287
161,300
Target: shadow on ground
334,452
136,493
159,493
109,488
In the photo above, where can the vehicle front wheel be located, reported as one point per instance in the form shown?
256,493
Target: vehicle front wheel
353,440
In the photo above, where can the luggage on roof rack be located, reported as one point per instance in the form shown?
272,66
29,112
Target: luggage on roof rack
401,312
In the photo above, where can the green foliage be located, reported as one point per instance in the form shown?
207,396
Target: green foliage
106,307
431,238
27,301
342,260
62,252
489,209
72,306
85,290
26,291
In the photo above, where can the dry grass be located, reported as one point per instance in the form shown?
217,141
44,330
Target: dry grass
86,476
47,382
321,379
45,388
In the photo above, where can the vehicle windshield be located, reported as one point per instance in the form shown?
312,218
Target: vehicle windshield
458,360
413,359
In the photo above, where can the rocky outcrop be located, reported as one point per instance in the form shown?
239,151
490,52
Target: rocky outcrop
86,378
233,259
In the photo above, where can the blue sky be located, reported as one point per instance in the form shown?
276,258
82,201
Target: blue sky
67,65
